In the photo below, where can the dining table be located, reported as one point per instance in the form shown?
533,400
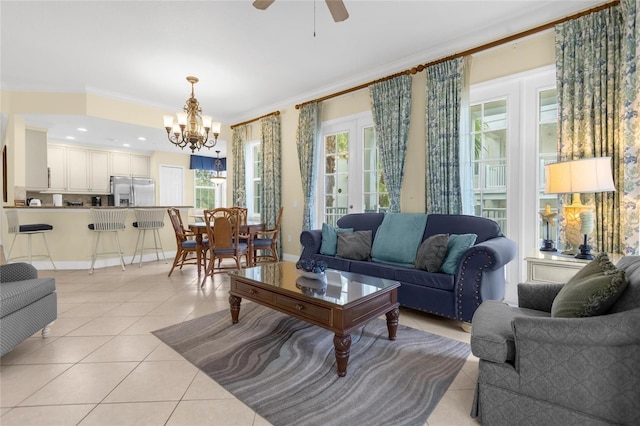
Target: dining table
251,228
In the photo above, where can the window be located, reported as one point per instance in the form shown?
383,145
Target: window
253,161
206,192
350,174
513,125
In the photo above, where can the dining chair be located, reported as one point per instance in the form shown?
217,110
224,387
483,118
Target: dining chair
223,232
266,241
185,242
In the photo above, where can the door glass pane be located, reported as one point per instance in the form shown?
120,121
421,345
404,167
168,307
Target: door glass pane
547,153
336,159
489,131
374,191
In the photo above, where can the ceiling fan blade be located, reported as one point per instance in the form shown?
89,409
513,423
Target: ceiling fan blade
337,9
262,4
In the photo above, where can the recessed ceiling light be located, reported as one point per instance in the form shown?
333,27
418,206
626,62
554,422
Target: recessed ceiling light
126,145
142,138
71,138
81,129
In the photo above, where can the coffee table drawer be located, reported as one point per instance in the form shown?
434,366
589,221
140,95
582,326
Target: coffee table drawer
307,310
254,293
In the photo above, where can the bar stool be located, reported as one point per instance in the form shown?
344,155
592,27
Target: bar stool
28,230
149,220
107,220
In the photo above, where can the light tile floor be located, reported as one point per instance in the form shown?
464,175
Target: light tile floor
101,365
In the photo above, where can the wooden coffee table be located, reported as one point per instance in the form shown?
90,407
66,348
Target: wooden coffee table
346,302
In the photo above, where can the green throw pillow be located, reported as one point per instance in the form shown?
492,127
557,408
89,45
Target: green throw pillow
592,291
330,239
432,252
354,245
458,244
398,238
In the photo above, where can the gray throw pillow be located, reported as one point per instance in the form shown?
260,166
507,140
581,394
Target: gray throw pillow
354,245
592,291
432,252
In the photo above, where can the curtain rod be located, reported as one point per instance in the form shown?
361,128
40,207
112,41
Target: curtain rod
477,49
276,113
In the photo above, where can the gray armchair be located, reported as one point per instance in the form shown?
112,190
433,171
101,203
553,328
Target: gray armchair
535,369
27,304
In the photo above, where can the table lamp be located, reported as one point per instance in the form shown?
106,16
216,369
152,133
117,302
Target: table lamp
587,175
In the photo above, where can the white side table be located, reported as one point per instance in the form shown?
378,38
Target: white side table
550,267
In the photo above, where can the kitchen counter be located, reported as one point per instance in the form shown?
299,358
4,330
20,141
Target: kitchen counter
71,242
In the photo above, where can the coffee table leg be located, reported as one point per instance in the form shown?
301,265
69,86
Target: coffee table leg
392,322
234,304
342,345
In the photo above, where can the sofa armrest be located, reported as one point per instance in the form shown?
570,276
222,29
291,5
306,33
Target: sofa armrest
603,330
537,296
17,272
311,241
580,362
481,275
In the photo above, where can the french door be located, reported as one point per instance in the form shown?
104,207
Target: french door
340,175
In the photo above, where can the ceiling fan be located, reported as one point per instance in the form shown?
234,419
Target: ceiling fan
336,7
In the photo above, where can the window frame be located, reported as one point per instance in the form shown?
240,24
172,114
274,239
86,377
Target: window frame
251,179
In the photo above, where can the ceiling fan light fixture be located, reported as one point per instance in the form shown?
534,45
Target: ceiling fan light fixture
336,7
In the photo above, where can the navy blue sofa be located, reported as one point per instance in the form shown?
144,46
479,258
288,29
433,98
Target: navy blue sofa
480,272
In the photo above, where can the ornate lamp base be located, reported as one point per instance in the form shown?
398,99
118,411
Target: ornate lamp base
585,250
547,245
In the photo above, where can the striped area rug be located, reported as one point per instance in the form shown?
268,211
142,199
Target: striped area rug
285,369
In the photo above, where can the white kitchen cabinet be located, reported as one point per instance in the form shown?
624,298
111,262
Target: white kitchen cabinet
120,163
140,165
57,164
99,172
132,165
77,170
36,160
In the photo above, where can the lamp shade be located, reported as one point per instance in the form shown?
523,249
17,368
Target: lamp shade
579,176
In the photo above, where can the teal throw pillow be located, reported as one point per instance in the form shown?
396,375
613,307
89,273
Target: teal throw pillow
354,245
592,291
330,239
458,244
398,238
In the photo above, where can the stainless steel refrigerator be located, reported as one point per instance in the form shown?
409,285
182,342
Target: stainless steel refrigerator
132,192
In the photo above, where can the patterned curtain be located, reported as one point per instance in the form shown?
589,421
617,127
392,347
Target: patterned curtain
307,141
271,172
443,193
391,107
239,183
597,88
630,126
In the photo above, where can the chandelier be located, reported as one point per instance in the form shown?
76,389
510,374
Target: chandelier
218,177
192,128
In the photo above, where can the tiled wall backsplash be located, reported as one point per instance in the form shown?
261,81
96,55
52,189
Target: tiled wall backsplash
85,199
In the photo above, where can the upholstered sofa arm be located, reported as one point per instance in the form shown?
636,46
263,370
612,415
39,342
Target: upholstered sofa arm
537,296
581,363
17,272
480,275
604,330
311,241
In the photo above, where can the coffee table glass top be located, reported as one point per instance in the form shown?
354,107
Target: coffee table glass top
336,287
